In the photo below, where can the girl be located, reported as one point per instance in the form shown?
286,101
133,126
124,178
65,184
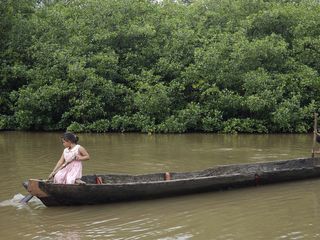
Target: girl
68,169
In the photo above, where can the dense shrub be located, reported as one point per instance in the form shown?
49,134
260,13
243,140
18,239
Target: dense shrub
247,125
159,66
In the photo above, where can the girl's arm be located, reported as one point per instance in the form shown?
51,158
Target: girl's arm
58,165
83,154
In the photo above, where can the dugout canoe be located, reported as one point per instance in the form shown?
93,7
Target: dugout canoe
120,187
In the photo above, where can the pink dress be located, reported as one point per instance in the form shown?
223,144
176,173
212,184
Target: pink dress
73,170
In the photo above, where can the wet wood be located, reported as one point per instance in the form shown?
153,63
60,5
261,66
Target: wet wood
119,187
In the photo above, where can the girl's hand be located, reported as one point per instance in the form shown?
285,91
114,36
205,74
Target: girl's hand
78,157
51,175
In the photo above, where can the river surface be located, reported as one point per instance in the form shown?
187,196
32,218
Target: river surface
281,211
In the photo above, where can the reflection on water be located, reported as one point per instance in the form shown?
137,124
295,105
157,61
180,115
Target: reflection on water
282,211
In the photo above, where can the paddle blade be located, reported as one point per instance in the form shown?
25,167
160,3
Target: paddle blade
26,199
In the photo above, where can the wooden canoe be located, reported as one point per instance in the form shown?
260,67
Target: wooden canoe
120,187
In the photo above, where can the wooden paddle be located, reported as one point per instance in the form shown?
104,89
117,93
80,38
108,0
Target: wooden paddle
55,172
315,132
28,197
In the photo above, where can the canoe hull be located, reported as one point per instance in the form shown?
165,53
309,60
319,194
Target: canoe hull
126,187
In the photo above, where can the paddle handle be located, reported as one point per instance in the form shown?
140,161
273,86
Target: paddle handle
57,170
315,131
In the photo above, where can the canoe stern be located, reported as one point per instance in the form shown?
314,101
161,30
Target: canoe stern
34,188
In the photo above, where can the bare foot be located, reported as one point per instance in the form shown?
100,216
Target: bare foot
79,181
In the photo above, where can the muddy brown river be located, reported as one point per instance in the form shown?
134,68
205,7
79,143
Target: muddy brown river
280,211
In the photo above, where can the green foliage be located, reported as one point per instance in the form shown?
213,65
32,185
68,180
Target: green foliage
42,108
99,126
236,125
122,123
3,123
190,116
159,67
6,122
212,122
153,101
291,117
143,123
171,125
76,127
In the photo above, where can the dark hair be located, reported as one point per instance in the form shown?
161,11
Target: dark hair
318,138
71,137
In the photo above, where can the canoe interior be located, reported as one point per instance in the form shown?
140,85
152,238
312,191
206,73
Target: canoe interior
225,170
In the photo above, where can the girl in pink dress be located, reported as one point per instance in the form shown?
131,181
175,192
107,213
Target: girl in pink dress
68,169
